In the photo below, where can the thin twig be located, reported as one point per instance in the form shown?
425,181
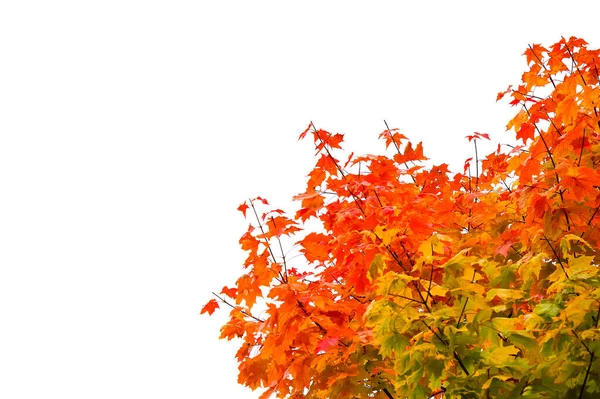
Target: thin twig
235,307
557,257
285,273
560,193
398,149
281,277
543,66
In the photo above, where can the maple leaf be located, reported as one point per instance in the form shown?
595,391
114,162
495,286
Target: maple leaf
568,110
326,344
535,53
316,247
310,200
526,132
243,208
392,136
210,307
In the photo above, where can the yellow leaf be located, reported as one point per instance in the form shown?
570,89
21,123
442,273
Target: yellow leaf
376,267
385,235
437,290
532,267
504,293
502,355
469,289
504,324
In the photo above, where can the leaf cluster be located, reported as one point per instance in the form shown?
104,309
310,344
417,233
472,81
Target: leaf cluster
421,283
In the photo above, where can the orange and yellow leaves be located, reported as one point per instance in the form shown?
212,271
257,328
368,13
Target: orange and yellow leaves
412,281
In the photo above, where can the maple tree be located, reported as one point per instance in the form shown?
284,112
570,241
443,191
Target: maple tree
422,283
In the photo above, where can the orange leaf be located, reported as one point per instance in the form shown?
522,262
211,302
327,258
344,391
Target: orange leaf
526,132
315,247
210,307
230,292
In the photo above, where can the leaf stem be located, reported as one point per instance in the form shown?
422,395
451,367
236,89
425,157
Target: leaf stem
557,257
236,307
387,393
560,193
476,164
398,149
285,273
282,278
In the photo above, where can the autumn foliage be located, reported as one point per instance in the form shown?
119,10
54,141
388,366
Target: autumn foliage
416,282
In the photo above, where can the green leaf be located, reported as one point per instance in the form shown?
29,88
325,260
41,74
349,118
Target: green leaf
393,343
547,309
376,267
502,355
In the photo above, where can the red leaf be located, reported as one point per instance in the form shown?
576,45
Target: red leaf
527,131
327,343
242,208
210,307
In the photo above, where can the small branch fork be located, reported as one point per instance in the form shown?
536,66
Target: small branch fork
282,278
285,273
560,192
398,149
562,266
236,307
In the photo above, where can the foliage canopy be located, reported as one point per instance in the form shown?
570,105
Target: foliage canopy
418,282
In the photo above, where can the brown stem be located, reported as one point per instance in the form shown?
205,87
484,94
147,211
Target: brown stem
590,220
285,273
387,393
281,277
354,197
398,149
557,257
301,306
476,164
235,307
560,193
581,75
587,374
581,151
543,66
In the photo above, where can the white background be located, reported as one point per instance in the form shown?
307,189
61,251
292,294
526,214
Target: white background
130,131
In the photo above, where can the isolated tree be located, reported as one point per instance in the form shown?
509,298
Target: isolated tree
417,282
